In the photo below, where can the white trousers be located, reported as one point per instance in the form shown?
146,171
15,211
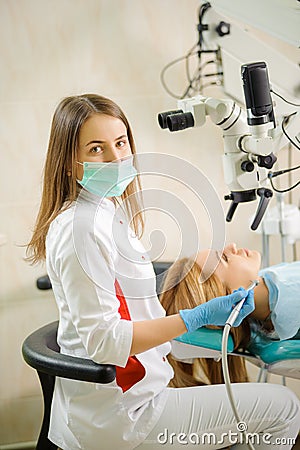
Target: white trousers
202,416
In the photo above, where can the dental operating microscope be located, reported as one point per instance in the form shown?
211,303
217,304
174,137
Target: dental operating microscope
252,137
247,141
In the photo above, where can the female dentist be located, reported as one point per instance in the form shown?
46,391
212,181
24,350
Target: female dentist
104,286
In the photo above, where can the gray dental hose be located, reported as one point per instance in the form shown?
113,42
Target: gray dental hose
229,323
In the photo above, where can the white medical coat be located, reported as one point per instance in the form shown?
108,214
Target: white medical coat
103,280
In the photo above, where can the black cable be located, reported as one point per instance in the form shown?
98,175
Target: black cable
187,69
170,64
196,78
212,83
281,191
272,175
285,120
199,68
282,171
191,79
206,75
199,78
284,99
201,27
194,83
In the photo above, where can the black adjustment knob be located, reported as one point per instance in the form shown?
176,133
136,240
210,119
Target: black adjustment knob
247,166
223,28
43,283
267,161
263,192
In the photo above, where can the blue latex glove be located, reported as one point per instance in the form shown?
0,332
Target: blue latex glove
217,310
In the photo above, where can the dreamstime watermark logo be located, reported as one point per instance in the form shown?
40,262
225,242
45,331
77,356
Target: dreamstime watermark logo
241,426
178,198
240,436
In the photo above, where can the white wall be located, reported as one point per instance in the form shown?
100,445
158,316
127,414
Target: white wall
51,49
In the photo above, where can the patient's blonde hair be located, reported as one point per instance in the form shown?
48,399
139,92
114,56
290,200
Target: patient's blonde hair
183,289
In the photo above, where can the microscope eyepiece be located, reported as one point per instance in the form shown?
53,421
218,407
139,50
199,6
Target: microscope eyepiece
162,117
176,120
180,121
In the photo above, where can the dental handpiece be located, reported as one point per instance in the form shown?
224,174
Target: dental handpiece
236,310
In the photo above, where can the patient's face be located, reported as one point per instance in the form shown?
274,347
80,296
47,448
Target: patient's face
234,266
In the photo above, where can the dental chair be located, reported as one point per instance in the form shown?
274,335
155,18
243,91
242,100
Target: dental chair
271,356
274,356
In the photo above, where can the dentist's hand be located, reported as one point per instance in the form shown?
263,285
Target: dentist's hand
217,310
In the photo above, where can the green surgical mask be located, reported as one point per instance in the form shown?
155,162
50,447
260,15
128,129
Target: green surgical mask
108,179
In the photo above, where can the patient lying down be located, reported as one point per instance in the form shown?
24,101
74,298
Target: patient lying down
191,281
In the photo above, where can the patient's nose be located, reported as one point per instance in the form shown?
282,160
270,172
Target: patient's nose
231,248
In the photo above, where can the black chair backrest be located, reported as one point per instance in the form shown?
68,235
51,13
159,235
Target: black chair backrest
40,351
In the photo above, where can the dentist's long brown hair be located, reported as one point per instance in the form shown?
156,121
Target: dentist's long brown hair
181,290
60,188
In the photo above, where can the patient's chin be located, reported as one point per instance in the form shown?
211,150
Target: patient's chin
213,327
